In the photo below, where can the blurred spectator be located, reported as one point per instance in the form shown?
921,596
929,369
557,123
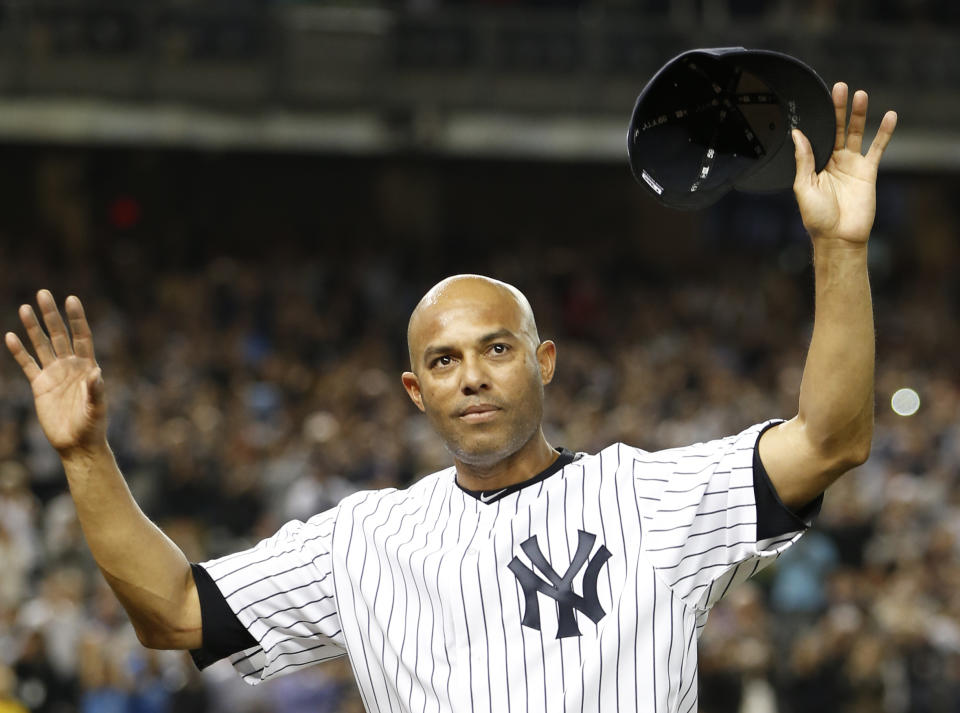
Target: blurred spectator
41,687
8,698
799,587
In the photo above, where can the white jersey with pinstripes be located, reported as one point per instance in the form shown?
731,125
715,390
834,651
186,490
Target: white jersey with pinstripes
585,591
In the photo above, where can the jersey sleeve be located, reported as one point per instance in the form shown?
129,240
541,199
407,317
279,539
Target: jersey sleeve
282,592
704,529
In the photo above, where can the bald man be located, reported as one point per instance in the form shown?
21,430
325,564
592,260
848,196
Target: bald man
523,577
478,372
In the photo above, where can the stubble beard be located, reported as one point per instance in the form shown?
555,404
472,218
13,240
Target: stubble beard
488,457
487,453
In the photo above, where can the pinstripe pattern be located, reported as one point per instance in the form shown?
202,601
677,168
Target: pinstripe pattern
414,585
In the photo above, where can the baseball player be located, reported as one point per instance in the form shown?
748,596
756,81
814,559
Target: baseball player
524,577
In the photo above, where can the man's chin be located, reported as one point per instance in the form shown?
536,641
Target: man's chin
479,458
485,454
481,455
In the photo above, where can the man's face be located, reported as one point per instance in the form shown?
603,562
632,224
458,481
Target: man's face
478,371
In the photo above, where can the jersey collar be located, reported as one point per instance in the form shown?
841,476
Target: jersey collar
491,496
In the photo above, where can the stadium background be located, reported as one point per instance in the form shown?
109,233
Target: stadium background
250,197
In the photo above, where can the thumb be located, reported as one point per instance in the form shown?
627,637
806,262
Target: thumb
95,387
806,167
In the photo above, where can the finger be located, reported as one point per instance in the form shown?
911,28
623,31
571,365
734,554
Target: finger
858,119
884,134
80,328
839,95
59,337
20,353
38,338
806,165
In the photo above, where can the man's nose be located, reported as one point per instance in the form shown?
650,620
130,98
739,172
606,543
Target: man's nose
473,377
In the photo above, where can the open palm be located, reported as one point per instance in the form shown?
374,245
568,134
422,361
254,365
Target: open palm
840,201
67,385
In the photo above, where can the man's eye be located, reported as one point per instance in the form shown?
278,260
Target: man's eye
442,361
500,348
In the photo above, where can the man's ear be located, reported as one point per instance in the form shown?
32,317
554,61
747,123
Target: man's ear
547,359
412,384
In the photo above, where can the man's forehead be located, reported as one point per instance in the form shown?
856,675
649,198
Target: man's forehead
473,303
467,315
464,315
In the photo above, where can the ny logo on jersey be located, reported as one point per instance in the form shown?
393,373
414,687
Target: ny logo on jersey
560,588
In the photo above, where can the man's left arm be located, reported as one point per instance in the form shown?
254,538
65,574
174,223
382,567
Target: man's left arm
832,430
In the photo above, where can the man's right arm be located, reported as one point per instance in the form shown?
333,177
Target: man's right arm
147,571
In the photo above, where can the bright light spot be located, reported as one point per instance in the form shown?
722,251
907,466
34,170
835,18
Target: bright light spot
905,402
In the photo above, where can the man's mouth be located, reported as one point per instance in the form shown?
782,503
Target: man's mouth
478,413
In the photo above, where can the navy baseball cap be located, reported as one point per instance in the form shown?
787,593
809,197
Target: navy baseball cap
712,120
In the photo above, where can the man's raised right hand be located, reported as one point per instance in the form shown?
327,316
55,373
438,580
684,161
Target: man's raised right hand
67,384
149,574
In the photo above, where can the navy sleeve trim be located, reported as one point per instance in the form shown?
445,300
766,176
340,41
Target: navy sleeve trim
773,517
223,634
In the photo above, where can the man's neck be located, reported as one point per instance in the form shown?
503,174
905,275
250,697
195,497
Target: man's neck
535,457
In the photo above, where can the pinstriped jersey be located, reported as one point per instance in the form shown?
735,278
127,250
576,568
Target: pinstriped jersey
583,591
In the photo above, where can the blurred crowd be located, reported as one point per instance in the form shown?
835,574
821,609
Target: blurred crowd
249,389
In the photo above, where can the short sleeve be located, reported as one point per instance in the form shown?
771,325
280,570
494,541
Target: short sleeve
223,634
699,516
282,592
